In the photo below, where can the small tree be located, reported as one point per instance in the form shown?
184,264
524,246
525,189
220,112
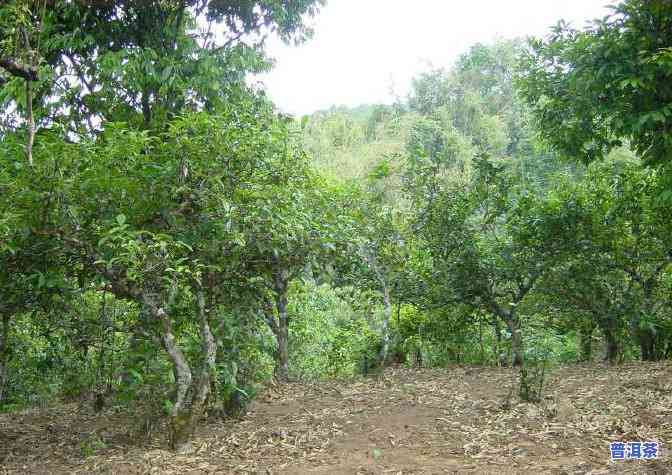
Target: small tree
618,252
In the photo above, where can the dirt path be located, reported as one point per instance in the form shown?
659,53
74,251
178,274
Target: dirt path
405,421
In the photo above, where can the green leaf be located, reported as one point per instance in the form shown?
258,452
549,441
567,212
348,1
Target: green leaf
136,375
166,73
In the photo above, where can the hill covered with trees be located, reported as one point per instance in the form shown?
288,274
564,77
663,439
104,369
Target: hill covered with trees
173,248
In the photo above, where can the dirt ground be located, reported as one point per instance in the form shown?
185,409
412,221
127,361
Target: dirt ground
401,422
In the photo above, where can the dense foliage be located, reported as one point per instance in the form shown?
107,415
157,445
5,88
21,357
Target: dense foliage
170,242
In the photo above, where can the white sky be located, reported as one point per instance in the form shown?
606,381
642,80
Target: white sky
363,47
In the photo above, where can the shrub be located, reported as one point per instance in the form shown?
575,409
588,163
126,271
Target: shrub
327,336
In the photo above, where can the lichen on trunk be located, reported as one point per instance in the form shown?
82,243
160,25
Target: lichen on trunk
191,394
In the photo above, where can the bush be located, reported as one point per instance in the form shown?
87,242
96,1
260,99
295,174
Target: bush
542,350
328,338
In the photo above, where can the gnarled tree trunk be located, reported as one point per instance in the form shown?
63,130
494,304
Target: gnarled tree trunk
185,419
191,392
510,317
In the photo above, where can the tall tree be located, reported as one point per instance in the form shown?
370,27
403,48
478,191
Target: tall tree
592,89
84,63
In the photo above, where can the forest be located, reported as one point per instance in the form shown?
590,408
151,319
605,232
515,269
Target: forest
476,278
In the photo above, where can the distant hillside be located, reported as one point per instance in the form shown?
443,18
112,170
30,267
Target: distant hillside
349,142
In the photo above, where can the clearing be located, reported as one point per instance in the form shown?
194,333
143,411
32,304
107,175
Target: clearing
403,421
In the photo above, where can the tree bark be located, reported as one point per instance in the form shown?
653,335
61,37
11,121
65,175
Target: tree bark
281,287
612,349
4,356
480,342
192,393
180,420
190,396
513,323
146,109
500,358
184,424
647,344
209,353
385,331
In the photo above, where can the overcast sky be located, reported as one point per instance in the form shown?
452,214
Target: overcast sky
364,48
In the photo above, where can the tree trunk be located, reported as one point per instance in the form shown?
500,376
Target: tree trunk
586,342
4,356
385,332
516,338
500,358
480,342
282,334
283,349
192,393
647,345
184,425
180,419
146,109
209,354
646,335
187,411
612,345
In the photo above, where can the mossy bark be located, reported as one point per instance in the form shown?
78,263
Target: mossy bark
185,417
181,432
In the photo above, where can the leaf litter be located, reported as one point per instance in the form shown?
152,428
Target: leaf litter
403,421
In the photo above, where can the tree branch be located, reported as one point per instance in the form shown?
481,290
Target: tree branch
15,68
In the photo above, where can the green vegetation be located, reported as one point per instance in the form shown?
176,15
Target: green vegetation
170,243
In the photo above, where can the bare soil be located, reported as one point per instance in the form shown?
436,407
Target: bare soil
403,421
